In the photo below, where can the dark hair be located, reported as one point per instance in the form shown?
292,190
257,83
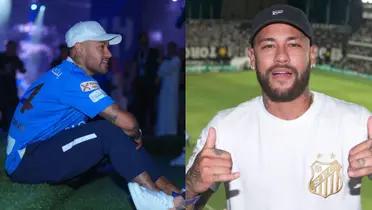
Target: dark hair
11,42
62,46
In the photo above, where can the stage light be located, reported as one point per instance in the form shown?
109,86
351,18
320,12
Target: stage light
156,36
42,8
5,6
33,6
174,0
38,24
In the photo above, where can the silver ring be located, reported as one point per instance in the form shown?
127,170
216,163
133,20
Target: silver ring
361,162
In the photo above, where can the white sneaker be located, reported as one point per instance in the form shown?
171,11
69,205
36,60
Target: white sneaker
145,199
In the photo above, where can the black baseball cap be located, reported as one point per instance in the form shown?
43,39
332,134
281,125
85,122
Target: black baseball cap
282,13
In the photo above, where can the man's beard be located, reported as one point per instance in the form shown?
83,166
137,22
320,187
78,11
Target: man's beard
276,94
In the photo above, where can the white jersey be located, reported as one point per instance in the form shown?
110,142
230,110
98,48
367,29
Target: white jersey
291,164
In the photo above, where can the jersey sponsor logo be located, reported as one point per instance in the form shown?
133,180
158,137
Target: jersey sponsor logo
89,86
97,95
326,178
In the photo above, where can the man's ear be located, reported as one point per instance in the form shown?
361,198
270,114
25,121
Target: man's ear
252,58
313,54
79,48
77,53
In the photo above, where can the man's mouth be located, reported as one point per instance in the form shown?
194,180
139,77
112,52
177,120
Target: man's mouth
105,62
281,73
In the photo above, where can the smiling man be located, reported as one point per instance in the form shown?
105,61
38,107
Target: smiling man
50,139
291,148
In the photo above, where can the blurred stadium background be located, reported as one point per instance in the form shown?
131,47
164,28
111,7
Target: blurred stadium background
217,65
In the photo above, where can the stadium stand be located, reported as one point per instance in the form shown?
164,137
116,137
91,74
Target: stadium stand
359,50
234,36
213,32
339,47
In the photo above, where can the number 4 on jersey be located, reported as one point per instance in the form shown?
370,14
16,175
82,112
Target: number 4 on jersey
27,105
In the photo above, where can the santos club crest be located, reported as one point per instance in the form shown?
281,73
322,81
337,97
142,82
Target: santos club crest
326,178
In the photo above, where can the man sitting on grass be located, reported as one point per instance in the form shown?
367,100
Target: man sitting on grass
50,139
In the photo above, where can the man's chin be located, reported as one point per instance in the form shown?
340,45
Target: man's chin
282,83
283,95
102,71
282,89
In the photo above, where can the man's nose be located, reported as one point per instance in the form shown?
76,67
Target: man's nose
282,56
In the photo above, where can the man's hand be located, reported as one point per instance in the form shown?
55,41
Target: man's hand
124,120
360,156
211,165
139,143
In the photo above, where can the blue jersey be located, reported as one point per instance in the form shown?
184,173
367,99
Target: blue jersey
62,98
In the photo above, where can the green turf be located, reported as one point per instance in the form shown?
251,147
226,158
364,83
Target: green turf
101,193
208,93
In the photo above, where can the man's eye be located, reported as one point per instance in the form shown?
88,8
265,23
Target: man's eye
294,45
267,46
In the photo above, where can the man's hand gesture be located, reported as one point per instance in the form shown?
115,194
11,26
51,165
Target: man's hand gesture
360,156
211,165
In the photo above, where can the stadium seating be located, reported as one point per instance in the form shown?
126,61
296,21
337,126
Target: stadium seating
359,50
338,46
227,33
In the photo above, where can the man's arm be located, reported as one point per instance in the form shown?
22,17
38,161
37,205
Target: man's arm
20,66
210,166
124,120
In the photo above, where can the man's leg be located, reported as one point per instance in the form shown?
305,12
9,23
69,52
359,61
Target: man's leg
74,151
138,160
166,186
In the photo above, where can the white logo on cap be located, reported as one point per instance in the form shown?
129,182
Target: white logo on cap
276,12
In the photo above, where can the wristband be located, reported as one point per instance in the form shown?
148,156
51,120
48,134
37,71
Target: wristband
182,193
192,201
187,202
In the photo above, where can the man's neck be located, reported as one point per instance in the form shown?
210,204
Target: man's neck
76,62
289,110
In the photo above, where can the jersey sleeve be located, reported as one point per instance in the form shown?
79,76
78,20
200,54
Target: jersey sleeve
84,93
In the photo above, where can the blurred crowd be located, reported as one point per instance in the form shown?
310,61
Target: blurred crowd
359,50
10,64
364,33
331,36
363,51
151,85
332,40
219,33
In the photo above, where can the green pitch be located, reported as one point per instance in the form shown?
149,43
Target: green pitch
100,193
208,93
